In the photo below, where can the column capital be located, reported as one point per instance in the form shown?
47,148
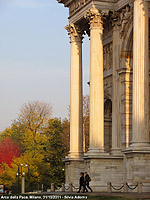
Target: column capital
115,18
75,32
95,18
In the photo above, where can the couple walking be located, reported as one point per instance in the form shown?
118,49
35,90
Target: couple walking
84,182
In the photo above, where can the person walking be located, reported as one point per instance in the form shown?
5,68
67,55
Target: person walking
82,183
87,181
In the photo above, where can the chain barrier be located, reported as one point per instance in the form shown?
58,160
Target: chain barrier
117,188
67,188
132,188
59,188
76,188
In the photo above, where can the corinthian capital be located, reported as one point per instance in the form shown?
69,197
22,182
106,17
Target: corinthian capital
74,31
95,18
115,18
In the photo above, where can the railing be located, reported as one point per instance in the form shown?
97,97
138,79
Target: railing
63,188
125,187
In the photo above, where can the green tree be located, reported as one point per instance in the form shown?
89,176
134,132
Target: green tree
55,151
66,135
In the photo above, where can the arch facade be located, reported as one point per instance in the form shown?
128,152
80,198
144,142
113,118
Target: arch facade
119,140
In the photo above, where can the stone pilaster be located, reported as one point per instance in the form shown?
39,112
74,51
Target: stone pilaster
76,105
140,120
96,82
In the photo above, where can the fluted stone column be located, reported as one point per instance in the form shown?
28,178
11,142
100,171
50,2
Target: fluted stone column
76,108
140,128
96,83
116,119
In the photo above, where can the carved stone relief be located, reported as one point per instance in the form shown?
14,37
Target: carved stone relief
125,17
76,5
108,56
108,87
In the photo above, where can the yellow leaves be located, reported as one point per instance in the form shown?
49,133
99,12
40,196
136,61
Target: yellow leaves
25,164
8,175
48,164
36,174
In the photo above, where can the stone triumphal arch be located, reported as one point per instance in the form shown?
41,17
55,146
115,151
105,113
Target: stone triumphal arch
119,91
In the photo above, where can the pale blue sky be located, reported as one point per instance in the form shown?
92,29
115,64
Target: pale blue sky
35,57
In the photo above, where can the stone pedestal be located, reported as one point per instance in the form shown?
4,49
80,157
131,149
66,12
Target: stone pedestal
137,169
73,168
104,169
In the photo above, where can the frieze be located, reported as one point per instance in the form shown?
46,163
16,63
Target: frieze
76,5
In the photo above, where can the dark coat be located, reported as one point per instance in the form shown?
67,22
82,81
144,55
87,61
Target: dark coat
87,178
81,180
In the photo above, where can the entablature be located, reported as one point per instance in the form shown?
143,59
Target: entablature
78,8
78,14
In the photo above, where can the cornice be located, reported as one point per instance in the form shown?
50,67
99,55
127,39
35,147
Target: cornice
122,3
119,3
65,2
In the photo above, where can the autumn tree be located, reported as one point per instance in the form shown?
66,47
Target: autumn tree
35,115
7,175
29,128
8,151
30,166
34,118
16,132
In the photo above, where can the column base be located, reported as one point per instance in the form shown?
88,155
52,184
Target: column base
96,152
139,147
116,152
75,155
